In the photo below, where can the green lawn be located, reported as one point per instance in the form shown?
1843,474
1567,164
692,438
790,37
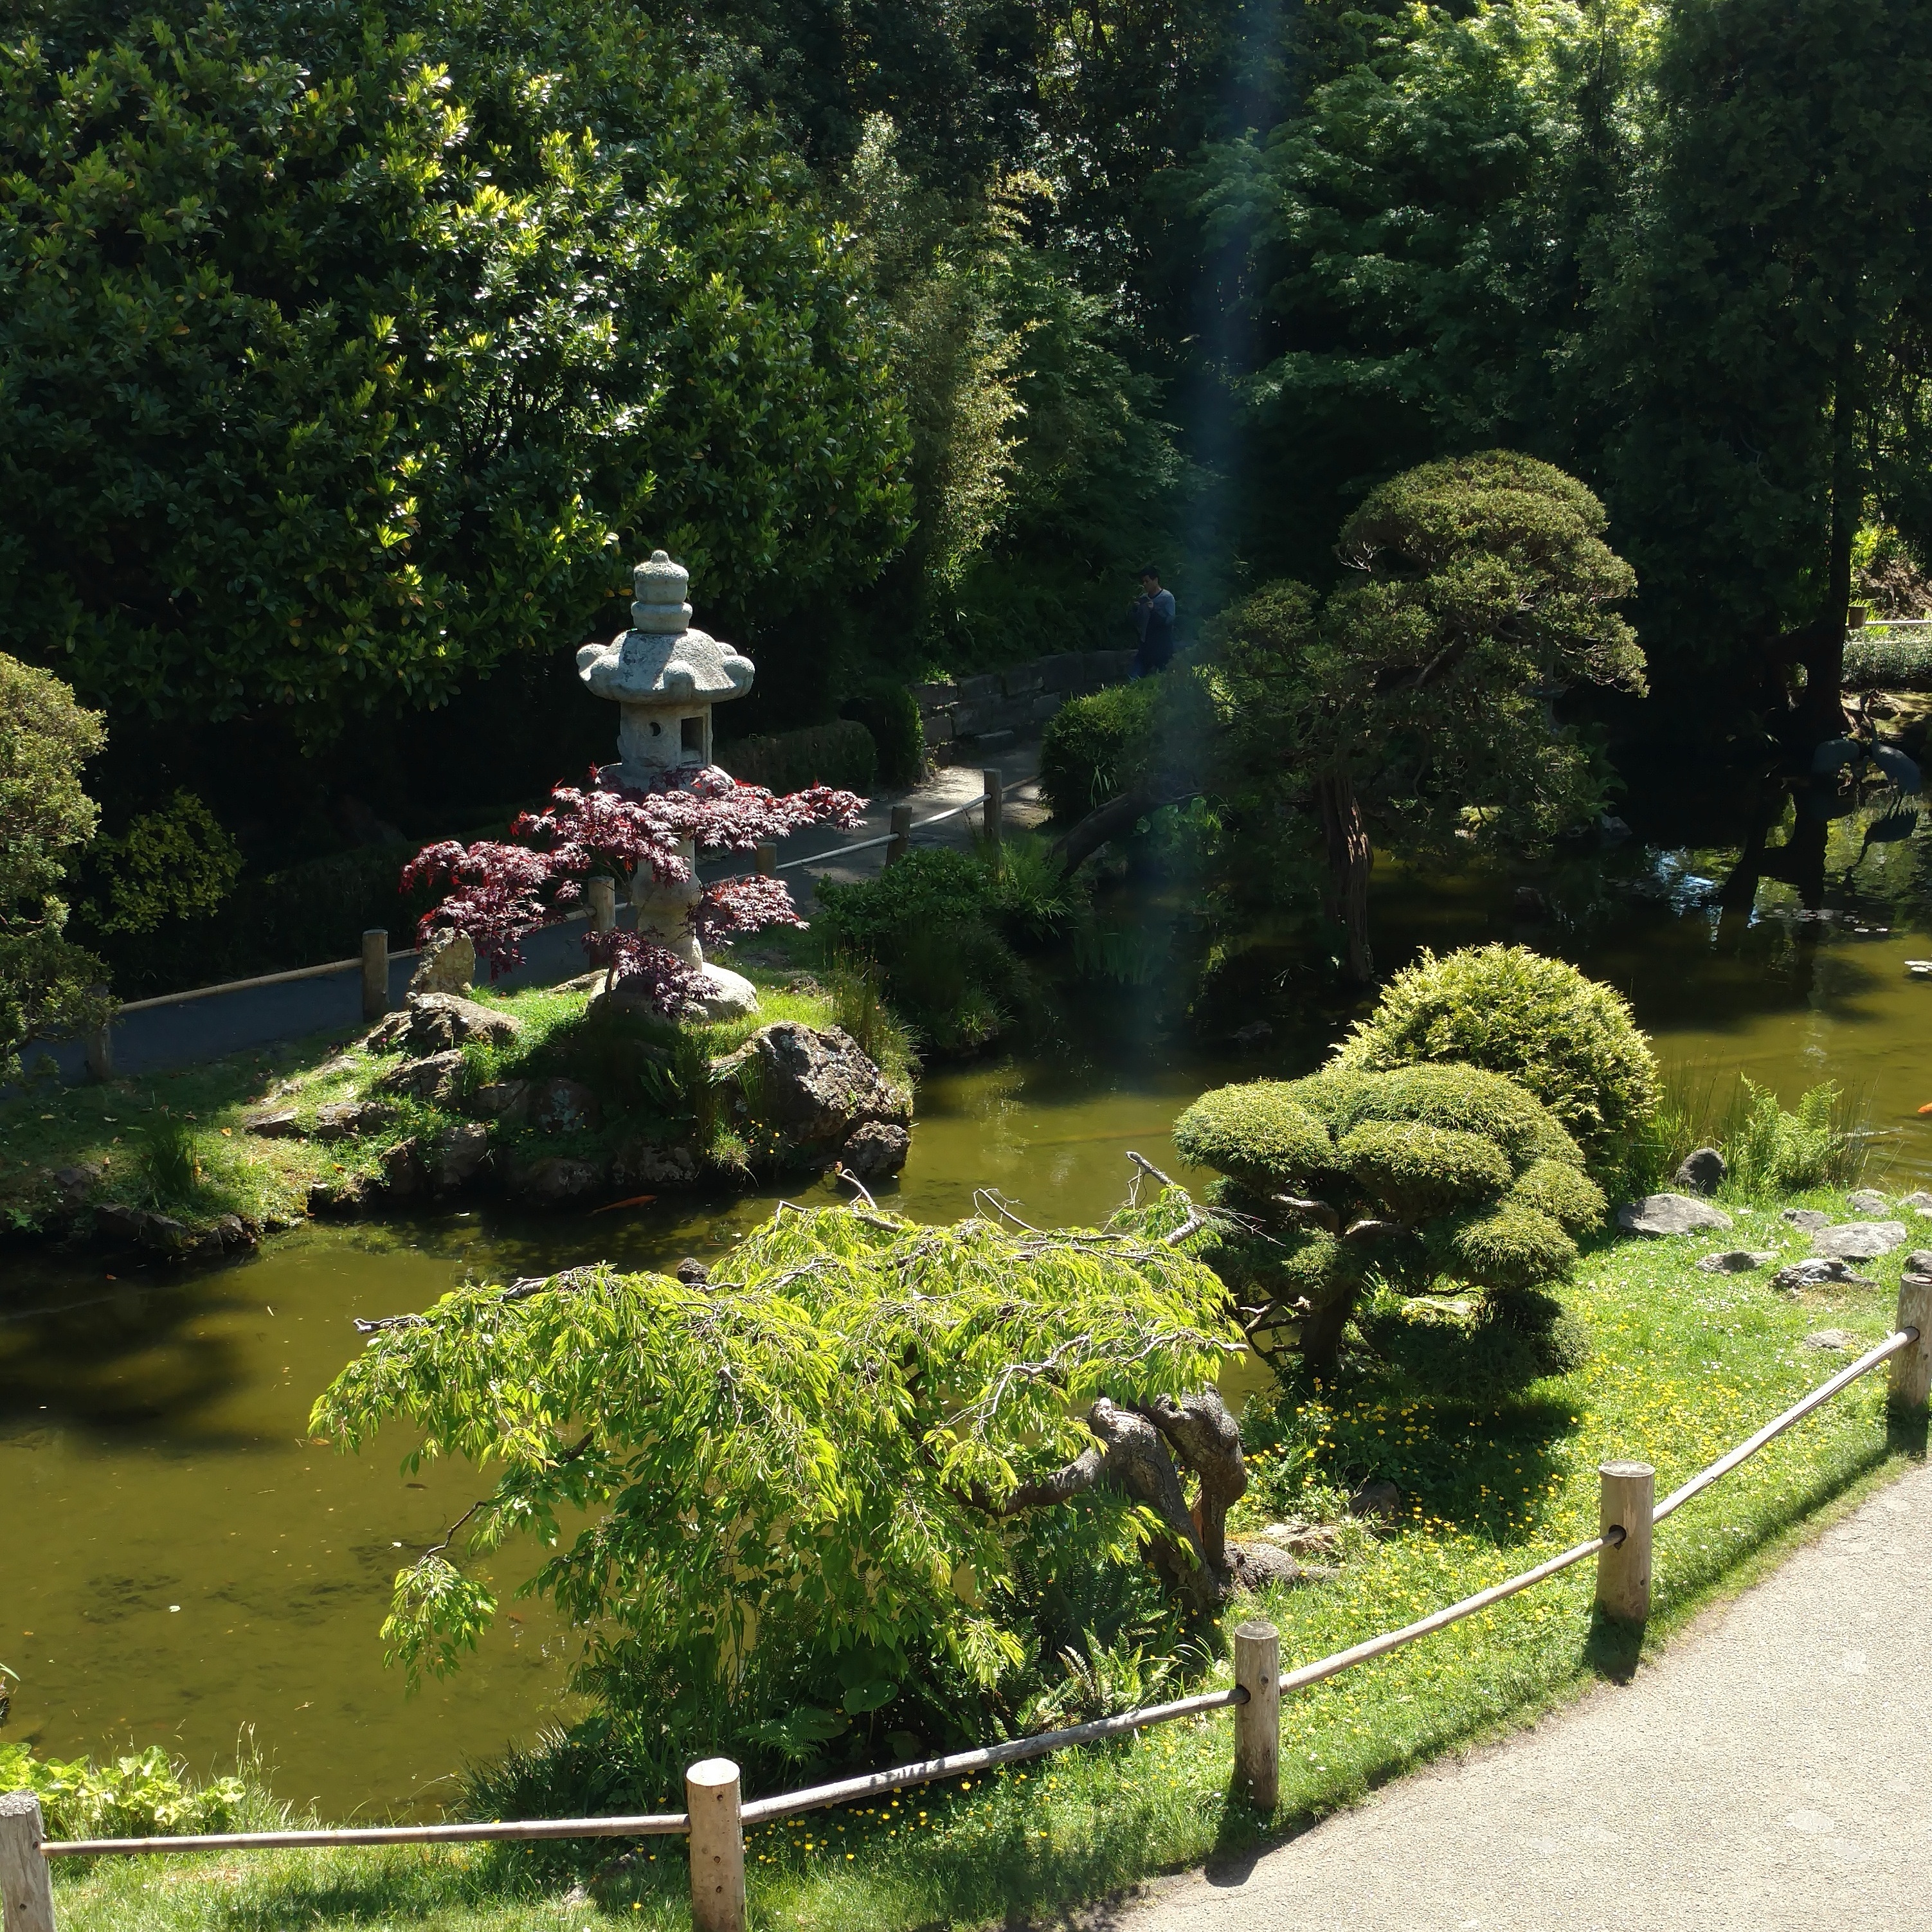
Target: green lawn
1685,1365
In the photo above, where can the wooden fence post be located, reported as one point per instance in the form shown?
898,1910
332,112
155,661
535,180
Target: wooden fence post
1626,1496
712,1797
901,834
765,858
375,973
602,894
1257,1722
990,778
26,1887
1912,1368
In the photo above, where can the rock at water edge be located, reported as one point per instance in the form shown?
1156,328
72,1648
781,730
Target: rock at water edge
1702,1171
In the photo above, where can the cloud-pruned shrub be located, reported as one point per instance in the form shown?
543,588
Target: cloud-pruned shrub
1417,1177
1570,1040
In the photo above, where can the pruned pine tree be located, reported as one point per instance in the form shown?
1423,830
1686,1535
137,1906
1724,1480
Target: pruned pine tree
854,1438
1421,1175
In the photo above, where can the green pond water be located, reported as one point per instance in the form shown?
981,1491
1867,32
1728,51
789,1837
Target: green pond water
178,1563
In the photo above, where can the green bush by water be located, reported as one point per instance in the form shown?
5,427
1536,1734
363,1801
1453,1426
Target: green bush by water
1092,746
1570,1040
926,927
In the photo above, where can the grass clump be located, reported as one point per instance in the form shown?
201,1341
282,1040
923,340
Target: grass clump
1768,1151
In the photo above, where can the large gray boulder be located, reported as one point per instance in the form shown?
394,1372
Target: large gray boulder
1859,1240
348,1120
434,1022
877,1148
564,1106
437,1078
457,1155
1670,1214
1819,1271
1867,1201
640,1164
811,1089
555,1181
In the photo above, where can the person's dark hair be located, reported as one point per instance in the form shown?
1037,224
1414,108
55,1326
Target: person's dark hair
1148,570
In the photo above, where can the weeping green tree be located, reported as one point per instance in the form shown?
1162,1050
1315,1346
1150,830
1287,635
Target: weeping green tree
831,1465
1419,1176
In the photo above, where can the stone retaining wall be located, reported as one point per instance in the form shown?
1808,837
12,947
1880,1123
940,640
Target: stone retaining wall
986,712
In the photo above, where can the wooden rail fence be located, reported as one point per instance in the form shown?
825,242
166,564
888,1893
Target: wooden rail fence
716,1814
374,960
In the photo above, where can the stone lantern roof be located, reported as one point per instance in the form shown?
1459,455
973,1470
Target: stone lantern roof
665,677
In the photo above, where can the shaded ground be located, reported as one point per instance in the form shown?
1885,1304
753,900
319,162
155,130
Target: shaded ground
1767,1772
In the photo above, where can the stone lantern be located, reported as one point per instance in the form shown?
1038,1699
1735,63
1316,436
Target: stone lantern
665,676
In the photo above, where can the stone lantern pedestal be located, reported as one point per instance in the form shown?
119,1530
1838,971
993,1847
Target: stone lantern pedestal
665,677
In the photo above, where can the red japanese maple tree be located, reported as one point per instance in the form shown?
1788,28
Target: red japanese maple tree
499,893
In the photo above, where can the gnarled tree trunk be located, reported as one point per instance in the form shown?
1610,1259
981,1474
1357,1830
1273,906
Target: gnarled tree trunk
1350,858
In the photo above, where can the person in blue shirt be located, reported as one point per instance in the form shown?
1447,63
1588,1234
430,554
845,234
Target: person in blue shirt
1153,619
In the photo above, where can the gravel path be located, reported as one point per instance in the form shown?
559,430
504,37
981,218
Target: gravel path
1772,1769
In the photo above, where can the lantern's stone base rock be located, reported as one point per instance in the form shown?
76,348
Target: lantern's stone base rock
731,997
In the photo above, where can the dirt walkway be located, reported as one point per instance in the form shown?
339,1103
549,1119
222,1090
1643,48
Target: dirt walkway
1770,1770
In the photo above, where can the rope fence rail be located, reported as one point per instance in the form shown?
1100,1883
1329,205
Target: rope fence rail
716,1814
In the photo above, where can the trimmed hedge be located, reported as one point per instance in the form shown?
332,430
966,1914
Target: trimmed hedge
842,753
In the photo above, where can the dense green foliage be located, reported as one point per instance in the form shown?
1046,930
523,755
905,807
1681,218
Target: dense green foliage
46,981
925,927
1421,1175
1570,1040
139,1796
804,1477
344,357
1413,707
1094,746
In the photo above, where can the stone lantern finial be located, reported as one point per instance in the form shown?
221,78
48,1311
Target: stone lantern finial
665,676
